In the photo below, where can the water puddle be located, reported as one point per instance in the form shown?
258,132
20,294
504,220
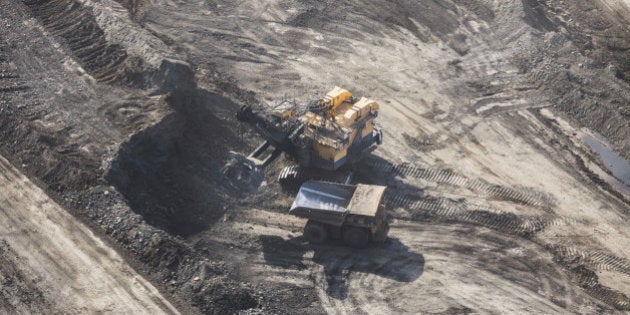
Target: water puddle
618,166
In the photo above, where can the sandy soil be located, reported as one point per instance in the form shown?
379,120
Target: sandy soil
492,192
58,263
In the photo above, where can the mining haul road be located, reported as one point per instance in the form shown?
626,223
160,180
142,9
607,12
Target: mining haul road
57,264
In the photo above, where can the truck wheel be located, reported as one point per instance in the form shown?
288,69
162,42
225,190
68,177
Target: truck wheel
315,232
355,236
381,235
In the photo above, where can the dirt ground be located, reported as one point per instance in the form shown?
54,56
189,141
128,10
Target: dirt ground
53,264
123,113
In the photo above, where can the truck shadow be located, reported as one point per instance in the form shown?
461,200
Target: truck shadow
376,170
391,260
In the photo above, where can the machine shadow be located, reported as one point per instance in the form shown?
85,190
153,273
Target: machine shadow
376,170
391,260
170,172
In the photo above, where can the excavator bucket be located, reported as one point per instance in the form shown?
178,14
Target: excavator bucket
245,173
242,175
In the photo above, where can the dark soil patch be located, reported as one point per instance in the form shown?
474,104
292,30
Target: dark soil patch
86,41
170,173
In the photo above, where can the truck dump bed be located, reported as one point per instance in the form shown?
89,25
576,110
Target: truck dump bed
330,202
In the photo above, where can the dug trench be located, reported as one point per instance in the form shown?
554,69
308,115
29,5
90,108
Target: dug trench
163,185
169,175
169,172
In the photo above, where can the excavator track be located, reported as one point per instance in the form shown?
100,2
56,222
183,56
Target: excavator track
432,208
293,176
586,277
525,196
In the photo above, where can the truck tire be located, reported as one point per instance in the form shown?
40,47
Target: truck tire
379,137
381,235
315,232
355,236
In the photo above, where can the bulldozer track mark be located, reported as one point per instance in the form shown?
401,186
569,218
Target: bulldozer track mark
526,196
444,209
9,80
8,75
578,262
595,259
291,177
81,33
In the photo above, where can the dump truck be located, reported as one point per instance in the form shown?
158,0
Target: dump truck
352,213
322,137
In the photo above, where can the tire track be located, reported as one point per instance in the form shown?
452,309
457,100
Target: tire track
617,299
431,208
356,282
338,277
71,21
527,196
579,261
605,261
595,259
441,209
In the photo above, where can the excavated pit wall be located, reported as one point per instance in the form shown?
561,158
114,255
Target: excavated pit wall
102,39
146,169
169,172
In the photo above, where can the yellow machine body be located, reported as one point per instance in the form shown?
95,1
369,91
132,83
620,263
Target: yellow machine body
346,125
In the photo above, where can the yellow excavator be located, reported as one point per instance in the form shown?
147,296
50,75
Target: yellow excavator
322,137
